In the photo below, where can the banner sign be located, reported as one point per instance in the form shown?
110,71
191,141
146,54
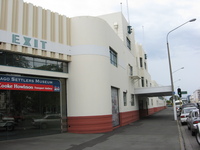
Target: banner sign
23,40
28,84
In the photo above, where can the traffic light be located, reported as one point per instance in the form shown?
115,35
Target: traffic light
179,92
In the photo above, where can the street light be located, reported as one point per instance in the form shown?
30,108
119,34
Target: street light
170,67
178,69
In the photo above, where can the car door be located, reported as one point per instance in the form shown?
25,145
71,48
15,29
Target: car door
54,121
189,119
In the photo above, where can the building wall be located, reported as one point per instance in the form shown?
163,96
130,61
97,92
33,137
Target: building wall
196,96
93,46
85,42
34,24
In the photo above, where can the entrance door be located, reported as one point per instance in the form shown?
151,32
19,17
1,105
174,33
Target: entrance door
115,107
143,107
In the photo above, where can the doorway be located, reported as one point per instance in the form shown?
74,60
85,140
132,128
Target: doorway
115,106
143,107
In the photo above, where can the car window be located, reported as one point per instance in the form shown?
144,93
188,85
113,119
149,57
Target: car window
196,114
187,111
52,117
190,114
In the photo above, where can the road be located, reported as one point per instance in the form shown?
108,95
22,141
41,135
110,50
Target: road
190,141
143,134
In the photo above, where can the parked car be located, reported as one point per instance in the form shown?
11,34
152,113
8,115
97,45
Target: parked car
185,113
198,133
189,105
192,121
50,120
7,122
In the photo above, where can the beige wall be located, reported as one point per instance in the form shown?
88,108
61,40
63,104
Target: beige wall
34,22
91,38
85,42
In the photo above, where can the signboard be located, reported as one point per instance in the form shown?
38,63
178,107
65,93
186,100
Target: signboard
183,92
28,84
22,40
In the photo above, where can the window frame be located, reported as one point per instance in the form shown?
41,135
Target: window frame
125,98
141,62
132,100
128,43
113,57
32,62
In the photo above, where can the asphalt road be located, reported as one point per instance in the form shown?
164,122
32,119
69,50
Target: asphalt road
156,132
143,134
190,141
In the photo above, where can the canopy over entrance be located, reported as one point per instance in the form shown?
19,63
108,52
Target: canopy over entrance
154,91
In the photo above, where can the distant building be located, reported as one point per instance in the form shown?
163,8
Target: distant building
196,96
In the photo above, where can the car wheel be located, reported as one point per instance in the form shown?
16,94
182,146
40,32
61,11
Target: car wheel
193,133
188,127
182,123
44,126
198,138
10,128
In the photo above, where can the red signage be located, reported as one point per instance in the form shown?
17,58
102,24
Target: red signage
25,87
28,84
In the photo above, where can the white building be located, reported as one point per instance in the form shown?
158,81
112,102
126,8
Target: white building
196,96
88,69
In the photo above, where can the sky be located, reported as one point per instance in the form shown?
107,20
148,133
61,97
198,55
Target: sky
152,20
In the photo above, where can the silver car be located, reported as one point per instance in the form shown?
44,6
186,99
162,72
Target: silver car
7,122
185,113
50,120
192,121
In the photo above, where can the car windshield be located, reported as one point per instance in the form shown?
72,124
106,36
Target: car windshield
189,105
178,103
185,111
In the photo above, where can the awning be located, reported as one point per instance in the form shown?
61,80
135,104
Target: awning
154,91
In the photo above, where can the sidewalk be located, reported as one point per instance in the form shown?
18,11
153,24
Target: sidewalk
156,132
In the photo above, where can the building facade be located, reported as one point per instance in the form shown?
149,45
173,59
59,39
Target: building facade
85,69
196,96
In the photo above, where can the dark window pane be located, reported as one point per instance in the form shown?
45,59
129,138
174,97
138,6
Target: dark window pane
2,58
16,60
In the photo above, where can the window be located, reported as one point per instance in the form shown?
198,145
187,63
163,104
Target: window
136,61
29,62
145,56
125,98
113,57
141,62
142,81
130,70
146,83
128,43
132,100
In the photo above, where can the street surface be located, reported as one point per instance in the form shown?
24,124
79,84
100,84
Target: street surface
190,141
156,132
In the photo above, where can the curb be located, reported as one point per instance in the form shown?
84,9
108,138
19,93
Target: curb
181,138
184,141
